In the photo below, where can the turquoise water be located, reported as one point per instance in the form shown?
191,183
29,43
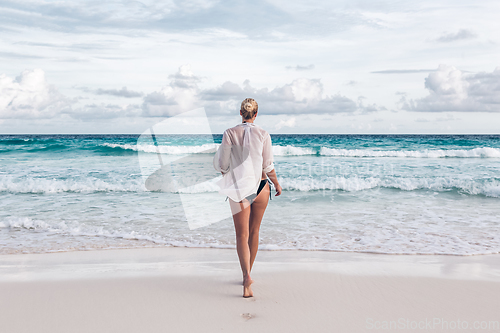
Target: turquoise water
414,194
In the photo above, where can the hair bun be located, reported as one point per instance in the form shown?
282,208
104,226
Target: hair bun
248,106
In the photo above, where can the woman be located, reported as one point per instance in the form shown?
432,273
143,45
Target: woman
245,159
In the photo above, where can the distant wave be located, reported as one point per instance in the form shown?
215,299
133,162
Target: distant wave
49,148
206,148
290,150
14,141
26,141
33,148
170,150
482,152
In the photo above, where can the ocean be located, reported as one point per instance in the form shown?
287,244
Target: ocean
395,194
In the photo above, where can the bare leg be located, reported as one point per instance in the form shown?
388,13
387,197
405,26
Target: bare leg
256,214
241,217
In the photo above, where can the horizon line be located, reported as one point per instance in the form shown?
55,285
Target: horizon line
269,133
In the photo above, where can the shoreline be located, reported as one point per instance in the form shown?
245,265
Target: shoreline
164,246
161,260
193,289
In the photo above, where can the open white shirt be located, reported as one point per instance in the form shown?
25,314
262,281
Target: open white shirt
245,152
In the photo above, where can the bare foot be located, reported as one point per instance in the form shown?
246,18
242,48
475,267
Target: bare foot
247,289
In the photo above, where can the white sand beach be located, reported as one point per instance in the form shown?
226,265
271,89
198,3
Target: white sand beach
199,290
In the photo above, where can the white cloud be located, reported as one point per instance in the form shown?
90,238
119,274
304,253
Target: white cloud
403,71
422,120
30,96
361,126
302,95
99,111
124,92
460,35
450,89
301,68
285,123
273,19
179,96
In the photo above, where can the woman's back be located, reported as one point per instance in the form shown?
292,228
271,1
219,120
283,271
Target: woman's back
244,158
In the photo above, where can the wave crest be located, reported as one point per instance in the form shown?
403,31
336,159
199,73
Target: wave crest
290,150
49,185
483,152
170,150
489,188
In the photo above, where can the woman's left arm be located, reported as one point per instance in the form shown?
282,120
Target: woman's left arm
267,155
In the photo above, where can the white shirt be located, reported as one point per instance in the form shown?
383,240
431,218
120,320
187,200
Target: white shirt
245,152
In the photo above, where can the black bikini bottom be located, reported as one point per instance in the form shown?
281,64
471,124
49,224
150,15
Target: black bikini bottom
252,197
263,182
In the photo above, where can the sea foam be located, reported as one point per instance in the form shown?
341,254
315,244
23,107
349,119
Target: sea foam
50,185
483,152
291,150
164,149
490,188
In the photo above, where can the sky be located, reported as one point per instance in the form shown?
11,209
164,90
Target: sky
347,67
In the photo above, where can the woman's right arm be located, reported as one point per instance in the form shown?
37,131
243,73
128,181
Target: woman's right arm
268,164
272,176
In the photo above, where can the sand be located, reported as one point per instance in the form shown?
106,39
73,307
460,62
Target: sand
199,290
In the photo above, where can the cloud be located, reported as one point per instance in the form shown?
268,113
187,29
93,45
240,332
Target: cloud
178,96
94,111
422,120
13,55
301,68
460,35
30,96
453,90
148,15
274,20
124,92
449,117
107,45
300,96
403,71
285,123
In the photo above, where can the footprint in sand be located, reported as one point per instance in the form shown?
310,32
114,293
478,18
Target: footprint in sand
247,316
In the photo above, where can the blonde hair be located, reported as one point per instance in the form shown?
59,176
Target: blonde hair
249,108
